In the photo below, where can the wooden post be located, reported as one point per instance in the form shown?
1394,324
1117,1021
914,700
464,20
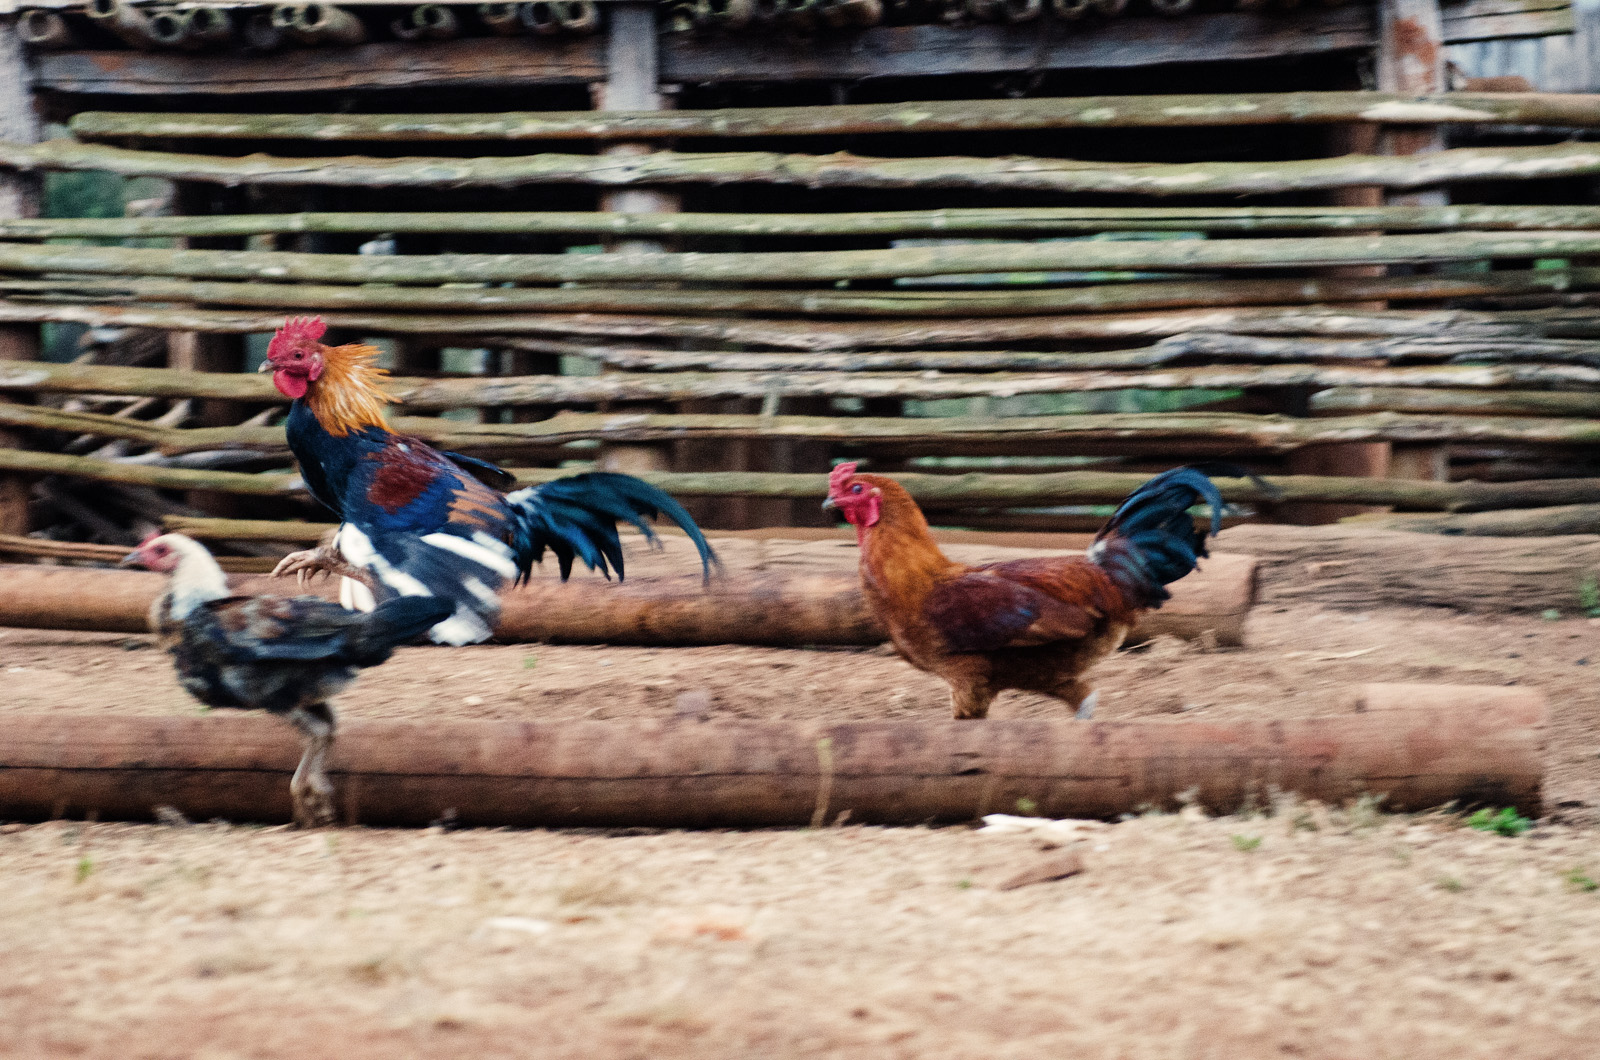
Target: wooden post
19,197
633,83
1411,59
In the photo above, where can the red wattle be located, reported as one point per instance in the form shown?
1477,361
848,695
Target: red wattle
290,385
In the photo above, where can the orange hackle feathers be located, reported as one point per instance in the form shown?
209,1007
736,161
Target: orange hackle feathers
347,396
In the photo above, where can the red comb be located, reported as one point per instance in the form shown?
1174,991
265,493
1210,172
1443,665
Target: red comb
841,475
298,329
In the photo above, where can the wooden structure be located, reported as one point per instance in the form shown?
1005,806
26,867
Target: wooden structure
965,242
1418,746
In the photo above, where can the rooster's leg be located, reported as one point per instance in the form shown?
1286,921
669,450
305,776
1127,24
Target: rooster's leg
324,559
310,788
971,700
1079,696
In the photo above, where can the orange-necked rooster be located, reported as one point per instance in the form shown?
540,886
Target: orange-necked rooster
415,521
1030,624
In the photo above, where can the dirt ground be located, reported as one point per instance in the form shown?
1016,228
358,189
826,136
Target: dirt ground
1306,932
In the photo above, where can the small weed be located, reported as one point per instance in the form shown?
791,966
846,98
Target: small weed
963,885
1579,880
530,662
1550,614
1451,884
1246,843
1506,822
1027,807
84,870
1365,812
1589,595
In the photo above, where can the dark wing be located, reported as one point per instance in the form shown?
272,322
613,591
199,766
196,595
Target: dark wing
256,629
990,608
244,629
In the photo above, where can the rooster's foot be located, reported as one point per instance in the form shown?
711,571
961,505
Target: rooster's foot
306,564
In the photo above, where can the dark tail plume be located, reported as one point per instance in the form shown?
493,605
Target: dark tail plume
577,517
396,621
1151,540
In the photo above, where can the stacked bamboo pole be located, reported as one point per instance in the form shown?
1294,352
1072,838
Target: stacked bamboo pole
942,116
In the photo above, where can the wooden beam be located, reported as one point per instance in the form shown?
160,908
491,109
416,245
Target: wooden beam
626,122
98,299
508,64
19,198
1354,387
1012,174
981,221
796,266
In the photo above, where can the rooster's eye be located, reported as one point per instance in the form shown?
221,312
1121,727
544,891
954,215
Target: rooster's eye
856,488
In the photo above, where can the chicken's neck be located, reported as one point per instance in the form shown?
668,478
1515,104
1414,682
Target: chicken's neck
348,396
197,580
899,554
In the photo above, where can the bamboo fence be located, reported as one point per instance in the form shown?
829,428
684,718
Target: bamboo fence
1019,360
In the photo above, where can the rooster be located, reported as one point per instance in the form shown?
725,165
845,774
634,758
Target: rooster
287,655
415,521
1031,624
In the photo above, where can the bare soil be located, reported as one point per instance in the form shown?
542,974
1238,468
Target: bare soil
1311,931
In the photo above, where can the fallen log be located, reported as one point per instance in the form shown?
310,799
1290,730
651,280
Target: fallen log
1357,568
1483,745
748,608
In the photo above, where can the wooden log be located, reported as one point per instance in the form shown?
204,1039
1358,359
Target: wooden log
520,331
1484,746
1309,358
1042,220
14,546
263,484
1456,401
754,608
821,171
1222,431
933,116
1018,490
1558,521
19,198
1432,388
795,266
1357,568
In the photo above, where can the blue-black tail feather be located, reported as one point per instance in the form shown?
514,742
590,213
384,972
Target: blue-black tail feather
576,519
403,618
1151,540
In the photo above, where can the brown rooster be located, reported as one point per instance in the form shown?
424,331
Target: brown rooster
1030,624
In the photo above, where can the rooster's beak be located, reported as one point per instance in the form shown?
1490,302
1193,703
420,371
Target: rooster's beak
829,504
132,559
266,366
